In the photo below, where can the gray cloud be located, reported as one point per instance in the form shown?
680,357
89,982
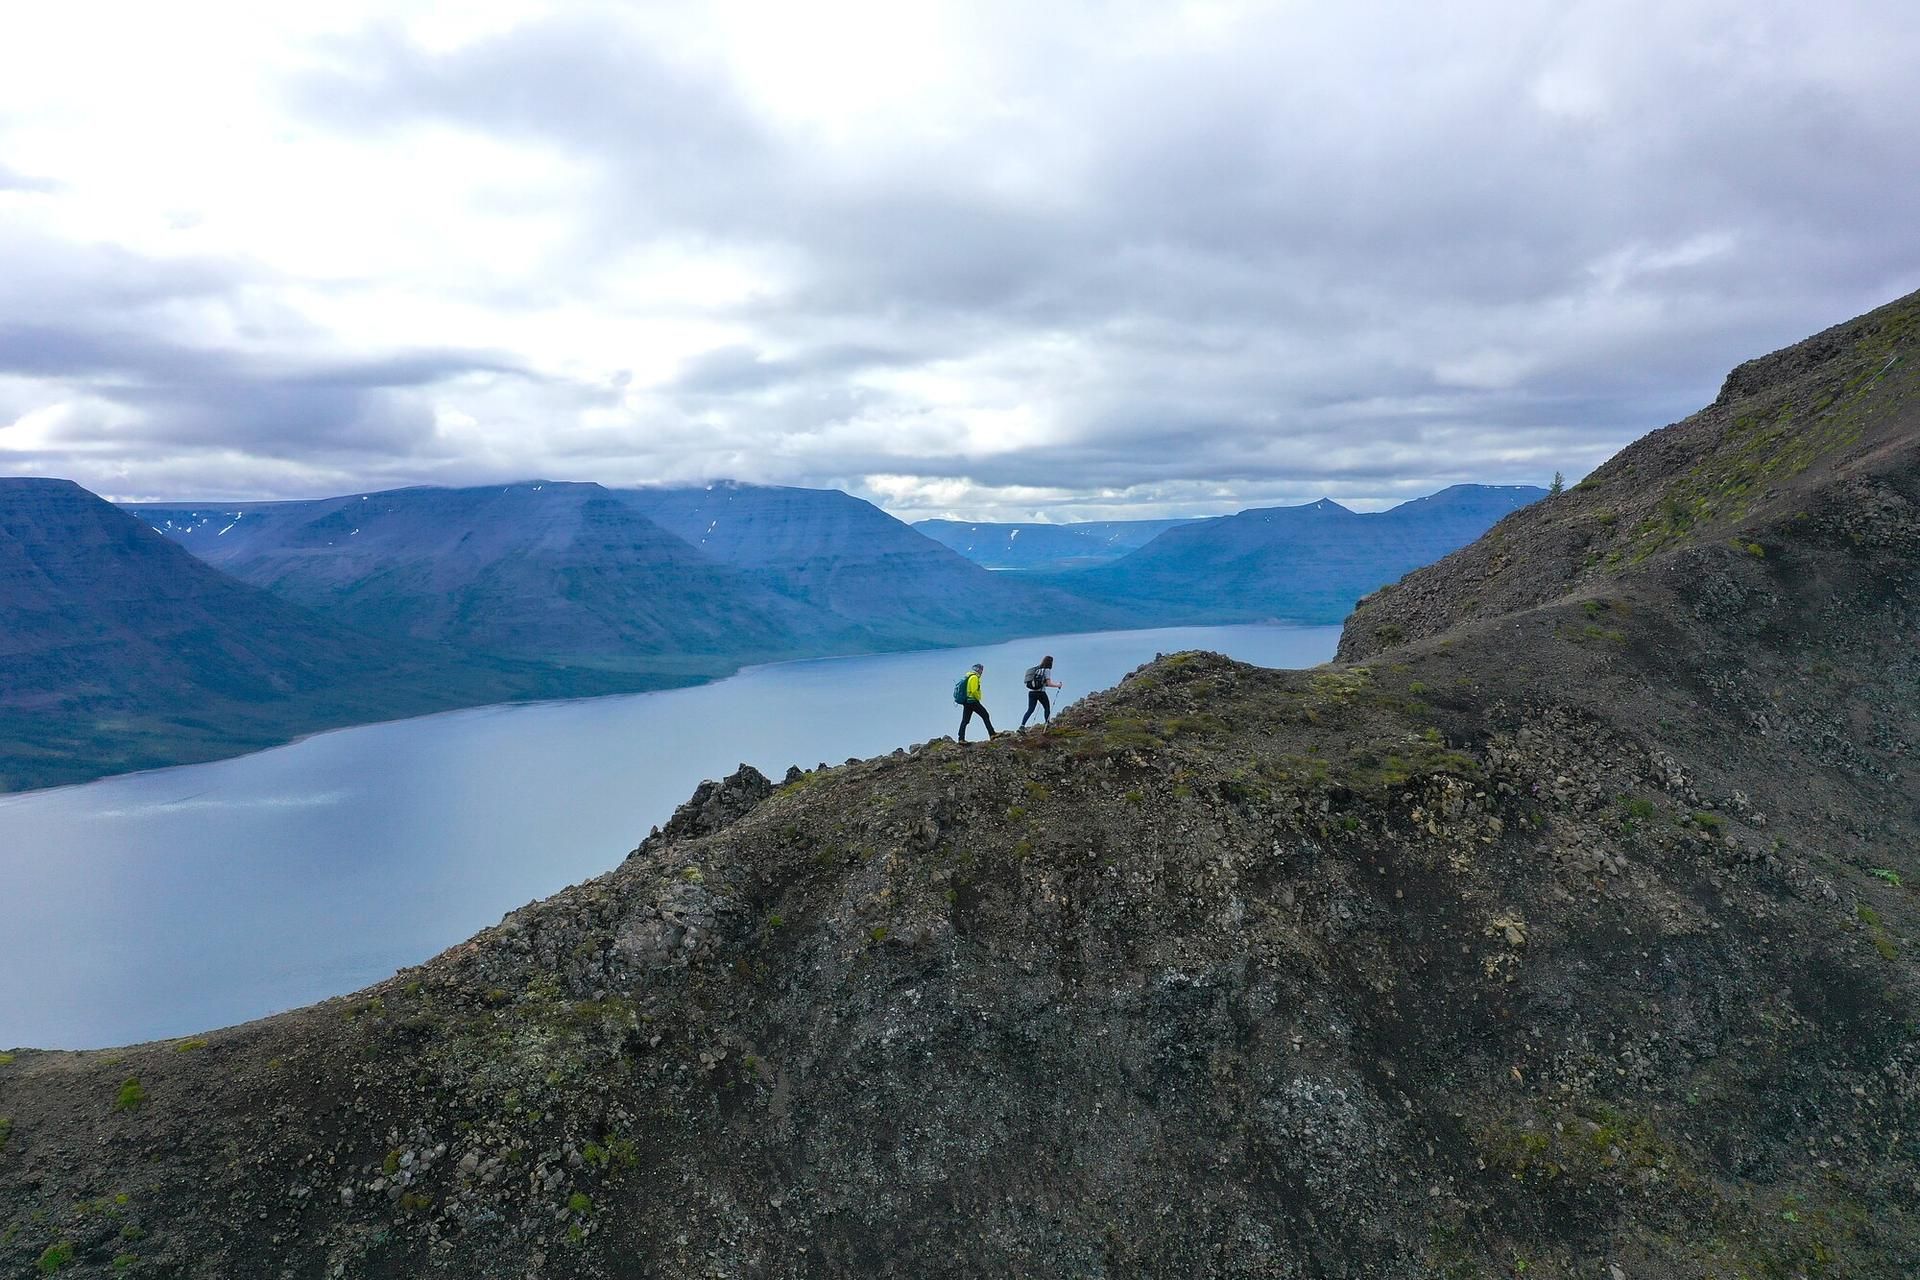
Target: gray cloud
162,402
680,141
738,369
12,179
1330,252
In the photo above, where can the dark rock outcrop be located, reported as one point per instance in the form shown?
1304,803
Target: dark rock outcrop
714,806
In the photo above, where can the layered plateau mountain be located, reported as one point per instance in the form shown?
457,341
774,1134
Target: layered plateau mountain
1080,545
566,574
118,651
849,558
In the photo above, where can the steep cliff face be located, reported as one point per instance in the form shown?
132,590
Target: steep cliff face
1574,940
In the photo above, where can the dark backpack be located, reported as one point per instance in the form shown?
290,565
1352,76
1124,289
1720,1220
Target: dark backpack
1036,678
960,690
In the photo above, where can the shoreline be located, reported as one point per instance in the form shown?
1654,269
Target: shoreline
669,684
423,830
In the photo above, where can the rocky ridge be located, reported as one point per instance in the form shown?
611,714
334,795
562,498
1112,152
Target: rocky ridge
1569,933
1803,423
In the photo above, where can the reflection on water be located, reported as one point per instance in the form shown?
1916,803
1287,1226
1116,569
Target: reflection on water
188,804
163,903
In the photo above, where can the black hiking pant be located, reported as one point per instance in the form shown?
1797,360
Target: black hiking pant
1038,698
968,710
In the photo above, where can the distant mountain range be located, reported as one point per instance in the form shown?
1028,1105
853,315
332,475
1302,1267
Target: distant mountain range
860,565
568,574
1045,546
689,579
119,651
1307,563
1303,564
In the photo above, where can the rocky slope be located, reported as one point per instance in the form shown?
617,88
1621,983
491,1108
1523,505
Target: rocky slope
1571,940
1807,423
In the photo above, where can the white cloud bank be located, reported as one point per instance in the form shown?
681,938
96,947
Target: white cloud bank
986,259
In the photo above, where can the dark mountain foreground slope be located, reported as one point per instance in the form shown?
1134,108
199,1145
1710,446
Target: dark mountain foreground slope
1805,420
559,573
834,552
1564,941
1045,546
120,651
1304,564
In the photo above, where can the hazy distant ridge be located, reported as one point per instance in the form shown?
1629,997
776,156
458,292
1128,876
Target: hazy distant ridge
847,557
1045,546
1307,563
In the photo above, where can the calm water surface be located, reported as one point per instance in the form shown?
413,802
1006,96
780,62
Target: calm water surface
163,903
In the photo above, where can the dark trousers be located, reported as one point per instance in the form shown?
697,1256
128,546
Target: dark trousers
1038,698
968,710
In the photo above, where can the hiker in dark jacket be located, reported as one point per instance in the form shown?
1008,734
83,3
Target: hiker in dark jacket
1039,679
968,696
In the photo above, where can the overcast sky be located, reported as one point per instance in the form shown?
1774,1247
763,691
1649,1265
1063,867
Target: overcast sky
1000,261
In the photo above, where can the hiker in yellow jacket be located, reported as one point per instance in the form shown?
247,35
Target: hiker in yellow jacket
967,694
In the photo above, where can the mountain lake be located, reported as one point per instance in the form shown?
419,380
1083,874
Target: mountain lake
159,904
